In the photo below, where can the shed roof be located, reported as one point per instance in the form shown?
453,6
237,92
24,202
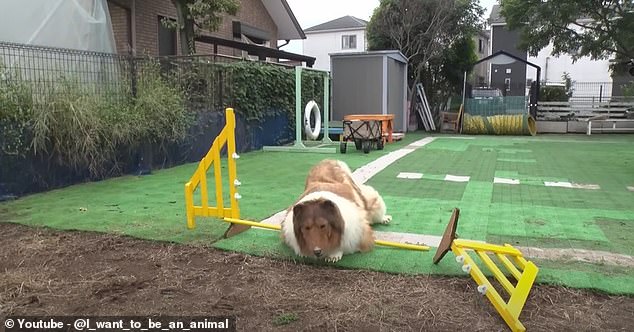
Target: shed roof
394,54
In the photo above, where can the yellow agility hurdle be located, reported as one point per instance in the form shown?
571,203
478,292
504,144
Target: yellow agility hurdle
226,137
523,271
232,213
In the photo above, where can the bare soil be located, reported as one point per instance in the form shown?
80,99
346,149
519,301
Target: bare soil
47,272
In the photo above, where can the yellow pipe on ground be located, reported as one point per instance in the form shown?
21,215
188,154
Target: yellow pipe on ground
505,124
277,228
252,223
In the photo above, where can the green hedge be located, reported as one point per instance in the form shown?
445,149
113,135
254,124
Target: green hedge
554,93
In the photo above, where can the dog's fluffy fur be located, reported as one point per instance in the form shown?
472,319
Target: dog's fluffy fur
332,217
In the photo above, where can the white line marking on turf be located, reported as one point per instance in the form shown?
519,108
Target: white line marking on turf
420,239
506,181
586,186
457,178
565,184
422,142
406,175
365,172
558,184
581,255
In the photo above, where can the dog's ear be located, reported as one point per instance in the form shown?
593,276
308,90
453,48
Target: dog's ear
298,210
298,221
333,215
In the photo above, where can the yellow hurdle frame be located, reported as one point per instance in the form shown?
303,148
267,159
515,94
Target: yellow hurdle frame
523,271
212,158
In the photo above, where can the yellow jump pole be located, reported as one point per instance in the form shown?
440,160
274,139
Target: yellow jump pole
378,242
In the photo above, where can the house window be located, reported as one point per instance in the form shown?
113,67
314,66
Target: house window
508,70
348,42
507,84
480,46
166,38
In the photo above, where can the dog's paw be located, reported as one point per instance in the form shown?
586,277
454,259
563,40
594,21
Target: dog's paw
334,258
386,219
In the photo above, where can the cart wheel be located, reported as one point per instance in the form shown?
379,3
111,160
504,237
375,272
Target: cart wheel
343,147
358,143
366,146
379,144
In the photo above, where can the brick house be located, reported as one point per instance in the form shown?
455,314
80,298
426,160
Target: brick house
138,30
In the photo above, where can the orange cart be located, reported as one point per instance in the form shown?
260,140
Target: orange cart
366,135
386,120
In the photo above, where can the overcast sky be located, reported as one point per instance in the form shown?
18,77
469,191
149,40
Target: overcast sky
310,13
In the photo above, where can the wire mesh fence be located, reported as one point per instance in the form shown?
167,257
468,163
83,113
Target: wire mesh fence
206,80
44,71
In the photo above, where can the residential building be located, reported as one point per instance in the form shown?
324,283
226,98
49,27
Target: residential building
593,77
482,42
344,34
510,78
138,28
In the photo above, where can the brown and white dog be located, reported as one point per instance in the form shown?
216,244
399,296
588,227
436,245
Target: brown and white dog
333,215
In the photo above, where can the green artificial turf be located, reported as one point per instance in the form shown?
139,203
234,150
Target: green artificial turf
529,214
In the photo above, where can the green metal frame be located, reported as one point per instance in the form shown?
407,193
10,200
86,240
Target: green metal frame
323,146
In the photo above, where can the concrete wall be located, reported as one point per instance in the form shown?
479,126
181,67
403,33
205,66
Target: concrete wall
321,44
578,127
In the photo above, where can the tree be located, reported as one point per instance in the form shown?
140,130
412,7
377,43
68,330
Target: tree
196,15
595,28
425,31
455,61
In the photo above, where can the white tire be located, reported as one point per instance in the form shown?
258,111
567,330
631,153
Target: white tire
311,133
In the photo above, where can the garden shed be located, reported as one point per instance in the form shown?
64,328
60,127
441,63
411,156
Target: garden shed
373,82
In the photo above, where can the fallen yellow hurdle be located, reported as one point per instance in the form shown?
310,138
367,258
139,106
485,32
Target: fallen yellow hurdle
523,271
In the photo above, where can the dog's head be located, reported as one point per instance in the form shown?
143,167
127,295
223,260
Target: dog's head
318,227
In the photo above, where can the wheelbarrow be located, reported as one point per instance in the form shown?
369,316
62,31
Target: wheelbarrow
366,135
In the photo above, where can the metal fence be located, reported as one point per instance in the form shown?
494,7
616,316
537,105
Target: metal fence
46,71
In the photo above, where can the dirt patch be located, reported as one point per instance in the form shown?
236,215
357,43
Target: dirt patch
72,273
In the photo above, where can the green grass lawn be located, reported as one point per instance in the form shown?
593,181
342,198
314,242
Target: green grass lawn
528,214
